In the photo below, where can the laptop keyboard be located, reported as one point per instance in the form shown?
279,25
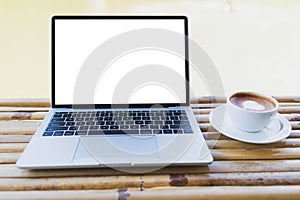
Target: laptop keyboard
118,122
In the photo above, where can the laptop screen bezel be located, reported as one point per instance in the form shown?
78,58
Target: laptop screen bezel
144,105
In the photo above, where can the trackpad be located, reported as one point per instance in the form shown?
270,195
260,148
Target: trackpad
121,147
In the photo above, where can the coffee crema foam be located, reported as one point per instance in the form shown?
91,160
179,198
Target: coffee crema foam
252,102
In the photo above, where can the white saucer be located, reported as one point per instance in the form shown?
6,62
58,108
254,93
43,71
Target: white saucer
277,130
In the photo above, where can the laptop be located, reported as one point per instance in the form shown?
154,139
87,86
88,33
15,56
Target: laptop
119,96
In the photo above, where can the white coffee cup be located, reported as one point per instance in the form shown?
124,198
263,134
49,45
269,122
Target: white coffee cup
250,110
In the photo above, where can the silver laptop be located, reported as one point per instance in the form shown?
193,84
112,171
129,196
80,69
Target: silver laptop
120,96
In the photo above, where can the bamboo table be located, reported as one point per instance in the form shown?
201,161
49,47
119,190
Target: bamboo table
240,170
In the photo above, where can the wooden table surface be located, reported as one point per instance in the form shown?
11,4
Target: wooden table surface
240,170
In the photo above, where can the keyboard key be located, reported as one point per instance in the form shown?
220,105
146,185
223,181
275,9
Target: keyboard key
165,126
110,123
70,123
57,128
114,127
144,126
80,123
81,133
146,131
137,118
94,127
173,118
82,128
148,122
104,127
124,127
69,133
67,115
127,118
129,122
100,123
108,119
134,131
113,132
152,126
177,131
58,133
73,128
124,114
187,131
176,126
139,122
90,123
134,126
157,131
181,122
167,131
183,117
117,118
57,120
155,118
57,115
90,119
119,122
57,124
141,114
48,133
185,126
76,115
160,114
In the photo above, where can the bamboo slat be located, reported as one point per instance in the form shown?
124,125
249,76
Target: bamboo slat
213,99
281,110
12,147
25,102
9,158
295,134
288,99
256,154
204,118
205,127
165,193
15,138
22,115
207,99
17,127
239,166
20,123
24,109
150,181
218,154
233,144
213,135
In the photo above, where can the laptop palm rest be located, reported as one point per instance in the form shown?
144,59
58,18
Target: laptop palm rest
121,149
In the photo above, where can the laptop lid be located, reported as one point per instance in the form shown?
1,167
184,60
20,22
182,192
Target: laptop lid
119,61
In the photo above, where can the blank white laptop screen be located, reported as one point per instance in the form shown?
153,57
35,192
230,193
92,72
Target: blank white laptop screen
76,39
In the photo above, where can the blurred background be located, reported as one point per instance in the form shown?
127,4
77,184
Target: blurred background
254,43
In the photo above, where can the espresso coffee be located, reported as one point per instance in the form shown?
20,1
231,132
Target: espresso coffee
250,101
